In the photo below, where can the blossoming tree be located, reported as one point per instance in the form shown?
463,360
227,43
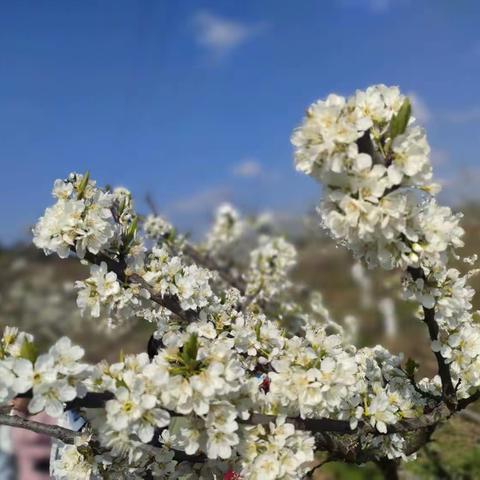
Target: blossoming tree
241,380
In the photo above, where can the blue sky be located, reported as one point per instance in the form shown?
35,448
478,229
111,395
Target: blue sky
195,101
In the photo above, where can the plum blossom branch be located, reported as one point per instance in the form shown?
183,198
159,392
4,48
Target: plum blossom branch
224,381
60,433
448,390
317,425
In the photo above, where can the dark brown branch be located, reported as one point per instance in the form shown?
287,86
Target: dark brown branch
311,424
389,468
170,302
430,396
314,425
90,400
365,145
448,390
465,402
342,427
68,436
54,431
333,436
351,448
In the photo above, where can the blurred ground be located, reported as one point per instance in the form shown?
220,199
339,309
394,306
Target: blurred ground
37,295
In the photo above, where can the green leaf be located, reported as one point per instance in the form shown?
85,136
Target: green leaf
131,231
190,349
170,235
258,327
121,206
28,351
399,122
83,185
410,367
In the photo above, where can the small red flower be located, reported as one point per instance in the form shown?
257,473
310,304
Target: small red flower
231,475
265,385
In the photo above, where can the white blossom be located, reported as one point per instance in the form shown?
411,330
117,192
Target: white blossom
71,465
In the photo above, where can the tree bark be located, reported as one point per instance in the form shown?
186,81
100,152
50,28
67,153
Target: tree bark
389,468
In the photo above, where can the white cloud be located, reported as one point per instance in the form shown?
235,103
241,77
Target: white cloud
375,6
420,109
248,168
220,35
200,202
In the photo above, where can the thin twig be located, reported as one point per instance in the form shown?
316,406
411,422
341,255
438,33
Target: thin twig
465,402
319,466
210,264
151,203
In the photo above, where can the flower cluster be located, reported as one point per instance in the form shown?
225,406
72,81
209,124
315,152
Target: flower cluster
320,376
169,275
368,203
53,378
270,264
101,294
276,451
83,463
81,219
329,143
72,465
156,227
100,289
135,408
374,162
196,380
205,381
227,228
